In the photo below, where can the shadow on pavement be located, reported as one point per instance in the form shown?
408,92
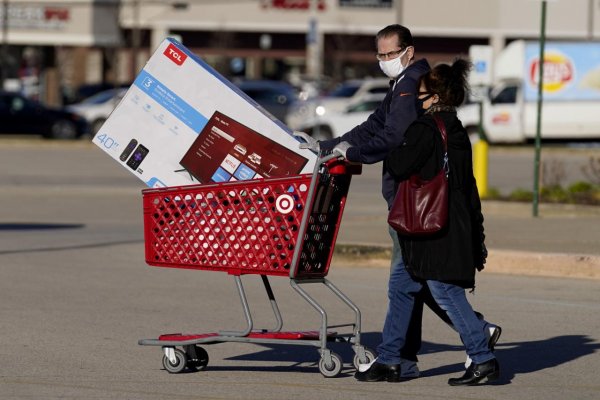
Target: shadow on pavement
515,357
33,226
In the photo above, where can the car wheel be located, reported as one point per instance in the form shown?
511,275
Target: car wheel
97,124
63,129
321,133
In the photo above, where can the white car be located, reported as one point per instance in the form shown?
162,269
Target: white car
96,109
334,124
347,93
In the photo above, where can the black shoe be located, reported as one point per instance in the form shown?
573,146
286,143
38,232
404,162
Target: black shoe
477,372
380,372
495,332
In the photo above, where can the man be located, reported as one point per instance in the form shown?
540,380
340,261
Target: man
369,143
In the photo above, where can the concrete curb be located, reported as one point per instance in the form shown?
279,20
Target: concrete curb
499,261
544,264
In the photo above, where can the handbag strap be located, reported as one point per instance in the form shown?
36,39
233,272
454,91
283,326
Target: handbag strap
442,127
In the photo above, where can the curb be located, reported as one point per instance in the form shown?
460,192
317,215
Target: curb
499,262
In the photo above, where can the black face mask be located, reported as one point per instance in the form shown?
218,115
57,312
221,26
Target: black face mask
419,104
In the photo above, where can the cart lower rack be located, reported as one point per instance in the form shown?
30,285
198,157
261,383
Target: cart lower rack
277,226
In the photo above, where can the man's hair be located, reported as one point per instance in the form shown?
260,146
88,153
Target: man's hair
403,34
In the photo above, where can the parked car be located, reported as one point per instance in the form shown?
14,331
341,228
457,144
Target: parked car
337,100
336,123
86,90
97,108
274,96
20,115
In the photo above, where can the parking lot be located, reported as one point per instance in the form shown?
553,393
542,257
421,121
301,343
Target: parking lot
77,296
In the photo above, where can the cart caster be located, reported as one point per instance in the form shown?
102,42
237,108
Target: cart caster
370,358
332,369
177,366
196,358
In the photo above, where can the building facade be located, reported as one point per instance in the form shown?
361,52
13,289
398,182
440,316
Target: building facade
62,44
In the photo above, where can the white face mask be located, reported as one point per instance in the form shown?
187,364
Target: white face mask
393,68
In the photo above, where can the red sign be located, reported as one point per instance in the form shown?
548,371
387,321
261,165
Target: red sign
293,4
56,13
175,55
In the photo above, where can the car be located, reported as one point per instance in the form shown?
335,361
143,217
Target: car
276,97
337,100
96,109
20,115
335,123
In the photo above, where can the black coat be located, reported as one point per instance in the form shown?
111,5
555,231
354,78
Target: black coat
453,254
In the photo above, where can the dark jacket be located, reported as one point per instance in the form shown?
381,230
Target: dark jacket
384,129
453,254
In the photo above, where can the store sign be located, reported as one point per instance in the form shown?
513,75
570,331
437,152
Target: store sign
293,4
366,3
36,17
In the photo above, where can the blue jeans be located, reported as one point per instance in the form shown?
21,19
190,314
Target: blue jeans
401,336
453,300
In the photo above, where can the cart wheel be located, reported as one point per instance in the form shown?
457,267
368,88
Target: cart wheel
179,364
333,369
370,357
197,362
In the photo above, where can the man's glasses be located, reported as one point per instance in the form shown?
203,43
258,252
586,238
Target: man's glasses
388,56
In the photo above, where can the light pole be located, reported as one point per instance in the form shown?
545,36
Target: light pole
135,37
314,43
538,141
4,50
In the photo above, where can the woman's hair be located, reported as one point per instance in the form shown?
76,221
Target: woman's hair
449,82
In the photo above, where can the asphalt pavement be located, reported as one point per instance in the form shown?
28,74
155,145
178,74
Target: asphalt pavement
76,296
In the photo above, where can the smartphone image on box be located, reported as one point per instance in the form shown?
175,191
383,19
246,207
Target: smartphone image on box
128,150
137,157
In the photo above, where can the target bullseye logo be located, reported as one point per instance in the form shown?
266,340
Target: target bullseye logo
284,203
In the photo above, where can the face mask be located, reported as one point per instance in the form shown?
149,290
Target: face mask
419,105
393,68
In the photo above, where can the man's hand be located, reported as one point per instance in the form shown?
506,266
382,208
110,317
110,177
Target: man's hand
310,142
341,148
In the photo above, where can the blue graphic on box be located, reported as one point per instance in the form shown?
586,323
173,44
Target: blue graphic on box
220,175
243,173
221,78
170,101
154,182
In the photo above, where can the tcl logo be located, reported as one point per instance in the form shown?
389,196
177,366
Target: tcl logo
175,54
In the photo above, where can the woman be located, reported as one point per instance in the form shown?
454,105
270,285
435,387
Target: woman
447,260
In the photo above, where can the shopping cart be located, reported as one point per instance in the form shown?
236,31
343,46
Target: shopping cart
276,226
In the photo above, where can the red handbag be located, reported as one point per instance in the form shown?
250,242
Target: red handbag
421,207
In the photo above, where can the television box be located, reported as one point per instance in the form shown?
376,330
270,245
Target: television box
182,123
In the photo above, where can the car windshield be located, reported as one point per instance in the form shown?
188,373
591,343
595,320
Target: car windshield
101,97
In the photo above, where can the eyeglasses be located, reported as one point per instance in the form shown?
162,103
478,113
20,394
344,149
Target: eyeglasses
388,56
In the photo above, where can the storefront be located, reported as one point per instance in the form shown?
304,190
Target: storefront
50,47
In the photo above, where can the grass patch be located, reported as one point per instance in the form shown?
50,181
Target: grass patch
355,252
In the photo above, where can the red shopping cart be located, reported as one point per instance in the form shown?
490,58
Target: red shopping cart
277,226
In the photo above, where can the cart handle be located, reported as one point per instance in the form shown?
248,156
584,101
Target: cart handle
336,164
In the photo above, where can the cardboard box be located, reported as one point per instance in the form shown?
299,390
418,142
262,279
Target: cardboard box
182,123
